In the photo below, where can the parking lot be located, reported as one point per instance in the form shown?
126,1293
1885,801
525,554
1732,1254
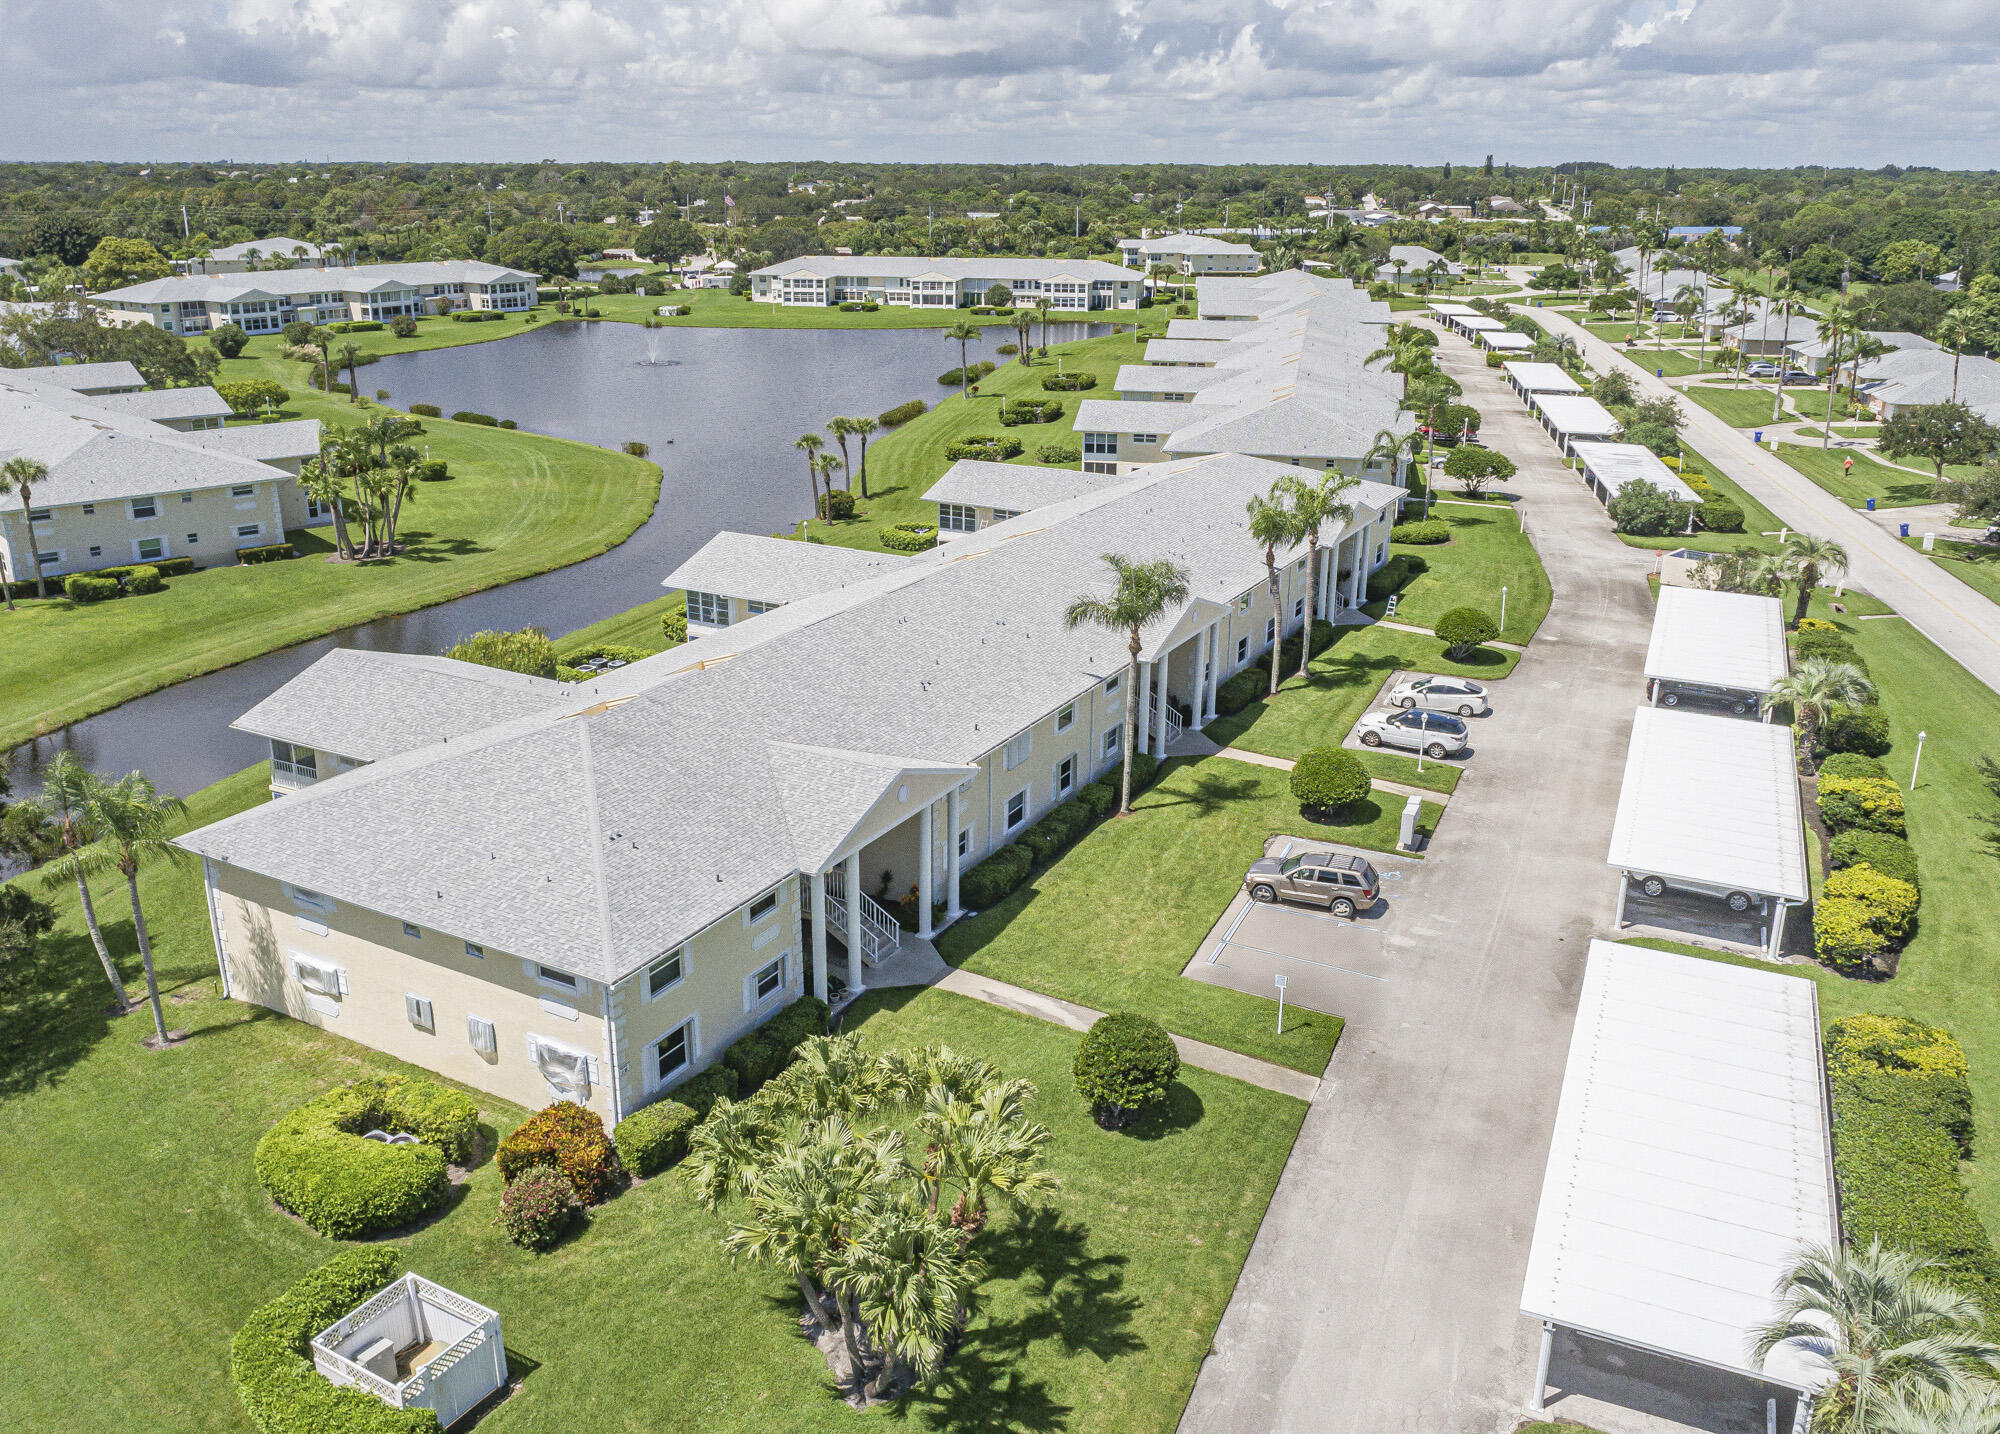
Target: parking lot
1683,915
1333,964
1378,705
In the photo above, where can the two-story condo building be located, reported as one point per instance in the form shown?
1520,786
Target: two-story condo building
821,279
266,301
589,891
1191,254
1276,367
125,488
278,252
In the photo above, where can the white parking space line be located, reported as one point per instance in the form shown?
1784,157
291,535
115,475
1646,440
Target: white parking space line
1287,956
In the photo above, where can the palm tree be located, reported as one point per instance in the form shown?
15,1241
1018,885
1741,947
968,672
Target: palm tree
1024,325
1314,505
810,445
1883,1325
912,1280
1142,593
1838,323
131,820
986,1143
1043,309
1399,265
840,428
800,1211
1434,271
1920,1409
965,333
1809,559
65,802
1273,525
1957,330
324,486
350,358
321,338
861,428
1394,447
1786,297
1813,686
20,474
823,466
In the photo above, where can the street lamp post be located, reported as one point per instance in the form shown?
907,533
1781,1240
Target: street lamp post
1280,979
1918,762
1503,607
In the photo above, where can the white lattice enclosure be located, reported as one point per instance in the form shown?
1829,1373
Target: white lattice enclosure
416,1345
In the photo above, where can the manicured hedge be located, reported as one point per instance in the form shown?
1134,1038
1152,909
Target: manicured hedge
143,578
272,1370
316,1163
1861,804
1097,800
1394,575
571,1138
1892,856
980,445
484,420
1050,837
1234,694
909,537
82,587
902,413
1030,410
250,395
268,553
700,1093
356,326
674,626
994,878
1856,729
971,373
1425,531
1854,764
762,1053
1068,382
1902,1120
477,316
426,410
655,1136
1329,779
1719,515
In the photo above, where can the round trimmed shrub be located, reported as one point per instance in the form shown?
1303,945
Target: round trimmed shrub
984,446
144,578
1068,382
84,587
1126,1063
1842,936
674,626
836,505
1861,804
1719,515
271,1367
1890,904
316,1163
1854,764
538,1207
1462,629
902,413
1328,779
569,1137
1890,855
909,537
1425,531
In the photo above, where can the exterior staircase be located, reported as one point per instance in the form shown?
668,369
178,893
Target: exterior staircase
881,936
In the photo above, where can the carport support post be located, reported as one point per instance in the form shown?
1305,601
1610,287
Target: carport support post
1778,928
1535,1404
1624,885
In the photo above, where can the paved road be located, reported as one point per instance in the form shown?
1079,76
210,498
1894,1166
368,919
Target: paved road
1958,619
1383,1289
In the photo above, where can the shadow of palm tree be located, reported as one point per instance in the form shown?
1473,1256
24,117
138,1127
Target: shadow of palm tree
53,1012
1207,794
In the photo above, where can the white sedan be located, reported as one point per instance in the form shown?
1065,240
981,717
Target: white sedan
1441,694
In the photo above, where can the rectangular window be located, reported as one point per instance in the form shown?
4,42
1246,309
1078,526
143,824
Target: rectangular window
672,1053
243,530
1104,445
1001,515
1242,649
763,906
419,1011
766,983
965,843
187,497
1270,628
145,508
194,537
1112,682
710,609
1146,438
1017,749
479,1031
320,976
293,761
756,608
1299,608
412,930
665,974
1066,718
958,517
95,551
150,549
1017,809
474,949
89,508
40,515
550,976
1111,742
1243,603
1065,777
243,490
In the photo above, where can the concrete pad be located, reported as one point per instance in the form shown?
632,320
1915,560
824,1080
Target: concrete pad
1690,916
1379,703
1629,1391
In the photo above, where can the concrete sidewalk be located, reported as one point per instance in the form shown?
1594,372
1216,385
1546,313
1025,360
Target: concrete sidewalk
1383,1290
1959,620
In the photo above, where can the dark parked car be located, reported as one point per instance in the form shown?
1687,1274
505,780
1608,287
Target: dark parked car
1341,883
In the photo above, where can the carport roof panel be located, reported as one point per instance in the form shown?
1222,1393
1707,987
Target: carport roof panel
1506,339
1476,322
1619,463
1732,640
1690,1161
1713,801
1456,311
1573,413
1542,377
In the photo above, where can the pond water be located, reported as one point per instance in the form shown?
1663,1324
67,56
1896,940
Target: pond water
719,408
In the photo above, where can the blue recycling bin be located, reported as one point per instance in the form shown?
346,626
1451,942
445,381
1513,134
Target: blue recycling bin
1759,437
1659,373
1906,529
1871,505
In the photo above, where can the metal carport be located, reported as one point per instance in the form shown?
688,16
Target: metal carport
1732,644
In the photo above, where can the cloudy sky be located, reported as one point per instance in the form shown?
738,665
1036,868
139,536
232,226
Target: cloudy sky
1758,82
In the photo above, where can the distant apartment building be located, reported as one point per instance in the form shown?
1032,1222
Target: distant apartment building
277,252
138,475
1191,254
822,279
266,301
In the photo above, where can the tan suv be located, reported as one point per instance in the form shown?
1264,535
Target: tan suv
1343,884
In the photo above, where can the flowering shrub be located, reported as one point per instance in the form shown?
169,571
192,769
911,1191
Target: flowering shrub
570,1138
538,1207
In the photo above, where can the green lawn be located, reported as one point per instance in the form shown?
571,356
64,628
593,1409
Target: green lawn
1757,519
134,1237
635,627
1889,487
719,309
1950,973
1857,430
1392,767
1612,332
1811,403
1676,363
1342,681
1112,922
1487,551
1737,407
1976,564
518,504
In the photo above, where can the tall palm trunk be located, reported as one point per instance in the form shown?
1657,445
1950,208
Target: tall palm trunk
341,541
1277,615
816,1303
850,1335
131,870
1312,600
1832,382
863,465
1808,580
1131,723
34,548
124,1002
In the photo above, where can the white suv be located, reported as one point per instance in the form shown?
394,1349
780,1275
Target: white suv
1432,733
1441,694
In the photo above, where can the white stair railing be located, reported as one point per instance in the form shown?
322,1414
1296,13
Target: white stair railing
1174,723
881,936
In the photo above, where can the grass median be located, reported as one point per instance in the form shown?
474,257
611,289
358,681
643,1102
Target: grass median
1889,487
1487,551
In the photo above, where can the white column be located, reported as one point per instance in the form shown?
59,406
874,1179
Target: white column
818,900
1205,657
1160,721
1145,721
954,822
1535,1404
854,923
927,840
1214,669
1624,885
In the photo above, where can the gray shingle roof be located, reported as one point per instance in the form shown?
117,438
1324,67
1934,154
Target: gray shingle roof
276,283
1186,244
776,569
162,405
645,805
1019,487
76,377
902,266
263,442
